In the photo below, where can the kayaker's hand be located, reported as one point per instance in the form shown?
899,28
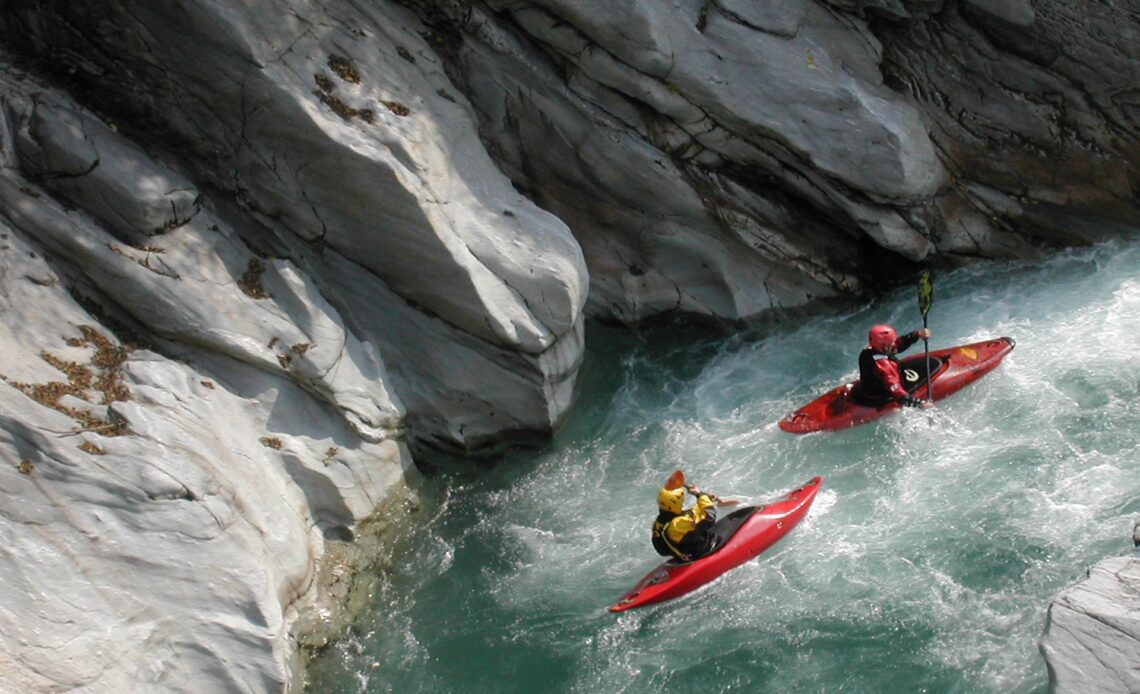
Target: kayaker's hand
728,502
924,334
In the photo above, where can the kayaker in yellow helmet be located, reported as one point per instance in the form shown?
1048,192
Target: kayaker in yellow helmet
685,534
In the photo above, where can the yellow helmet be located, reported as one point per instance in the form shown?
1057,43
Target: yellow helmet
671,500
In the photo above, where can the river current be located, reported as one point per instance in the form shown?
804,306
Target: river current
926,563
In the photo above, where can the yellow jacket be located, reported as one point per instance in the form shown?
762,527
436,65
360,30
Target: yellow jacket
688,521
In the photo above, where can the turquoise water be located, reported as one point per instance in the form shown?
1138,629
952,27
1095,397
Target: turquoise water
926,564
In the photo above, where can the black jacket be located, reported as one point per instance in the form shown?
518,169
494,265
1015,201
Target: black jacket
872,390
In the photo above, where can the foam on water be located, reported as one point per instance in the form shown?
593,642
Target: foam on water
927,561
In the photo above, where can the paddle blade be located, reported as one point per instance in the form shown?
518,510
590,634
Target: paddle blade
925,293
677,479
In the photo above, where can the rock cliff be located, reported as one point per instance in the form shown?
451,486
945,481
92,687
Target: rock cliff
255,256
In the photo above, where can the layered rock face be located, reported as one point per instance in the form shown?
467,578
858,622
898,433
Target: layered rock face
1092,637
254,254
363,169
183,423
730,158
218,340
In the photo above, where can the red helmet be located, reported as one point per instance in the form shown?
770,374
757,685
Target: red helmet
882,338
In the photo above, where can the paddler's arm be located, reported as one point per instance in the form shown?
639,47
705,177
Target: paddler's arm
712,499
905,341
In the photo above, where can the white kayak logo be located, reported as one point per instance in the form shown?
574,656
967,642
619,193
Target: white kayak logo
910,375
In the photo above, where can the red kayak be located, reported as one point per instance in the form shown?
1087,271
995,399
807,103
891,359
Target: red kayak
951,369
746,533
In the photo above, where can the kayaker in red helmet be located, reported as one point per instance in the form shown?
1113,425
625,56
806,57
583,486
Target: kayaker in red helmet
879,379
685,534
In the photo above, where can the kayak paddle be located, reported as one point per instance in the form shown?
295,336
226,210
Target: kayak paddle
925,299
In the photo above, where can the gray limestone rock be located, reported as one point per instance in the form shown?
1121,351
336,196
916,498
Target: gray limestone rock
1016,12
261,417
84,161
179,432
157,507
1092,635
339,136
